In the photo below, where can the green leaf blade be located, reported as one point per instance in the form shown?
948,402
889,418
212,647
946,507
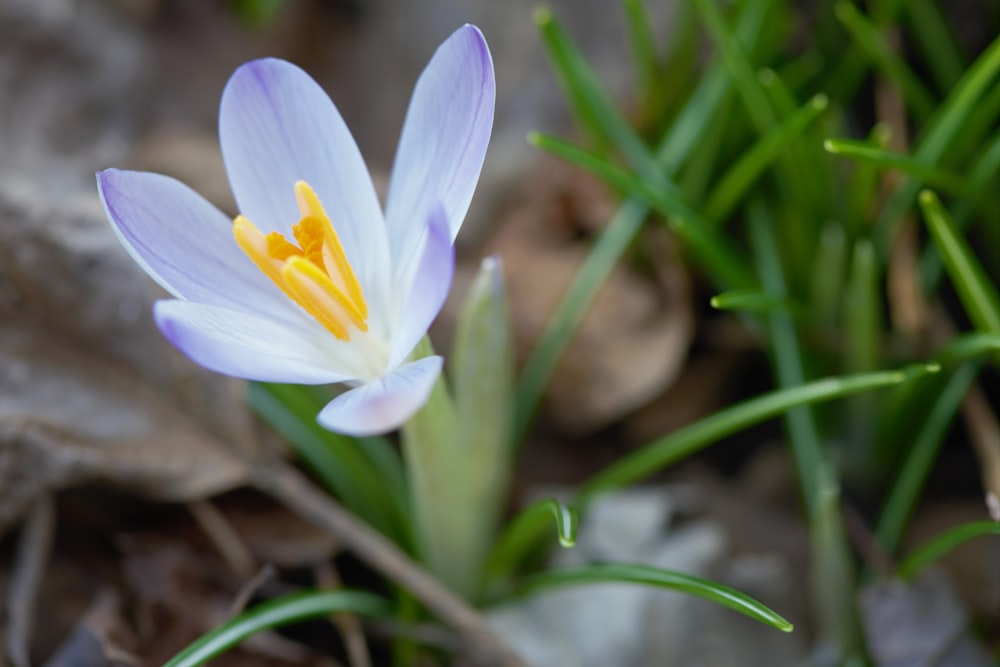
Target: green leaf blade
604,573
940,545
277,613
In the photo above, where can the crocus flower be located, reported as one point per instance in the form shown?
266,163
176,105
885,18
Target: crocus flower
312,283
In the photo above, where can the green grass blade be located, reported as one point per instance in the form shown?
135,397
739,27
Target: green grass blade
684,137
733,186
980,180
960,103
700,115
565,320
833,577
605,573
565,62
885,58
948,123
864,187
940,545
277,613
905,491
967,347
370,484
864,311
827,280
804,167
660,453
793,185
684,442
713,250
935,39
591,100
977,293
700,171
737,62
787,356
643,49
751,301
863,150
520,533
980,123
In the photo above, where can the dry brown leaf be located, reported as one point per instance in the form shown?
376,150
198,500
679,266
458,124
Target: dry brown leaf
635,337
67,419
63,271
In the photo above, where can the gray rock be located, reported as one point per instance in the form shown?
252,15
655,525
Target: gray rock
70,75
637,626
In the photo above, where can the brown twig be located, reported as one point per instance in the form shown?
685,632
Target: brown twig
223,536
984,431
286,485
32,558
247,590
347,624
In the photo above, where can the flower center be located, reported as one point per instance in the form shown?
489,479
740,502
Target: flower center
315,274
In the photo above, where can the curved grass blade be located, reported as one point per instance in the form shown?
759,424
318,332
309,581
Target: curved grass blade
793,184
737,181
521,533
949,121
610,246
817,478
863,314
643,50
978,295
827,279
882,55
863,186
979,180
934,37
277,613
698,117
734,57
940,545
813,172
713,250
522,536
591,102
604,573
750,301
682,443
788,357
863,150
684,137
967,347
905,491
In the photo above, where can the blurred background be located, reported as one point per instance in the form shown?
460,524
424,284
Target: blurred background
97,409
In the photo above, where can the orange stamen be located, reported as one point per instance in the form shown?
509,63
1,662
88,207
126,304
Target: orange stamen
315,274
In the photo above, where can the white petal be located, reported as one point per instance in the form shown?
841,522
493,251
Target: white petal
443,142
384,404
185,244
277,126
247,346
428,288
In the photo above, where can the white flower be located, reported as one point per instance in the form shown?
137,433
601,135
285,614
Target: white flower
312,284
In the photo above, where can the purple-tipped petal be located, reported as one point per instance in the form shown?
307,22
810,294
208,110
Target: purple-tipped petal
443,142
277,126
428,288
185,244
249,347
384,404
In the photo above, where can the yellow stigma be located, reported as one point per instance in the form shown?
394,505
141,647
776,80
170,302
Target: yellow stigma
315,274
